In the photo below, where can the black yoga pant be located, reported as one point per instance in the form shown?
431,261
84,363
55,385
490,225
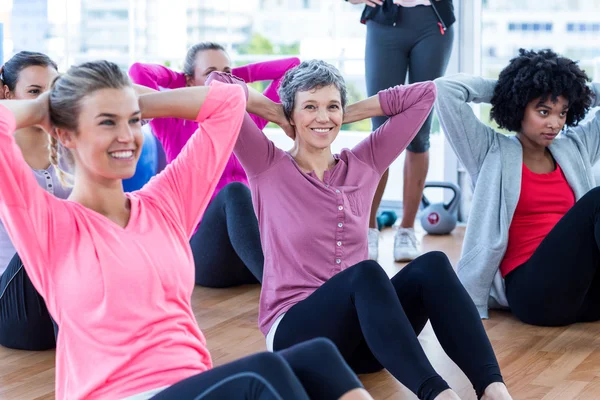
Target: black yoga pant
374,321
226,248
414,45
24,320
560,283
311,370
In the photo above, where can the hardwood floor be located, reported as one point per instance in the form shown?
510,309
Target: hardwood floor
537,363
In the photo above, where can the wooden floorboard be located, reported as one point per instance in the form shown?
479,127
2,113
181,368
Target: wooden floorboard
537,363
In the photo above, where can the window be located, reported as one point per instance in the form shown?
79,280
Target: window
119,14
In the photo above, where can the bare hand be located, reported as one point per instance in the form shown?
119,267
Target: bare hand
370,3
288,129
281,120
43,108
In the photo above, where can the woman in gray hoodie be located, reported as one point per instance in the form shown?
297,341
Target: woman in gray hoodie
533,238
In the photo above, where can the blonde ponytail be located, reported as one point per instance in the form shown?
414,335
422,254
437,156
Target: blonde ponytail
65,178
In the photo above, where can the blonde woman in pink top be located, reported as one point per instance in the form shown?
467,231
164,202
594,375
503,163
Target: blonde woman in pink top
116,269
313,213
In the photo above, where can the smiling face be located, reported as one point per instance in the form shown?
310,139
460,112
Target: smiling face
543,120
32,81
109,138
317,117
208,61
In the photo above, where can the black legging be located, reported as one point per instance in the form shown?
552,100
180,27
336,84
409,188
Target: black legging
415,45
24,320
226,248
374,321
560,283
311,370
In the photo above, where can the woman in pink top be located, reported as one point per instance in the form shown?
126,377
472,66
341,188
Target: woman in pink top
115,269
313,212
226,245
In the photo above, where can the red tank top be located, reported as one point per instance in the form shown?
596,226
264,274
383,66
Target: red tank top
544,199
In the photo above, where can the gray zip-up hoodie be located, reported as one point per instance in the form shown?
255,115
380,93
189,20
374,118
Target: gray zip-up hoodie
494,162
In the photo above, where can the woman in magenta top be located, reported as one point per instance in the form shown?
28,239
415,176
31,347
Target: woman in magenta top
115,269
226,246
313,212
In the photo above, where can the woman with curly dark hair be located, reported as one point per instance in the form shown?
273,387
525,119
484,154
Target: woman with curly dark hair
533,240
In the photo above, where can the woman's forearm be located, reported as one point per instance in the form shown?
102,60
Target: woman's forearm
27,112
184,103
363,109
259,104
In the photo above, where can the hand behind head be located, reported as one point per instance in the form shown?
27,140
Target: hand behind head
43,120
281,120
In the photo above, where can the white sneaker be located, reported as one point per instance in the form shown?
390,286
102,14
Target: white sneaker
406,245
373,244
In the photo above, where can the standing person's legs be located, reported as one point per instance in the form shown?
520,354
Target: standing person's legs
429,58
386,64
226,248
560,283
24,320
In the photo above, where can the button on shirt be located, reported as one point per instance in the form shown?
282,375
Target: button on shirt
312,229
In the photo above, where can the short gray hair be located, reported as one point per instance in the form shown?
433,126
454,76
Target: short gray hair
310,75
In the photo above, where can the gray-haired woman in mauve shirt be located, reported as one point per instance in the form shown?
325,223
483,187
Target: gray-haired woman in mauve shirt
313,210
24,320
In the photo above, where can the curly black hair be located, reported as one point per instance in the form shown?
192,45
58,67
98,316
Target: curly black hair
534,74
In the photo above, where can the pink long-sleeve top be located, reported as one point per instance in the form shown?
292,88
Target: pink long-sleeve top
311,229
121,296
173,133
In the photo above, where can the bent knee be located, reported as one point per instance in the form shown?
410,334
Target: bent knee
323,345
436,259
369,271
236,189
267,361
433,262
